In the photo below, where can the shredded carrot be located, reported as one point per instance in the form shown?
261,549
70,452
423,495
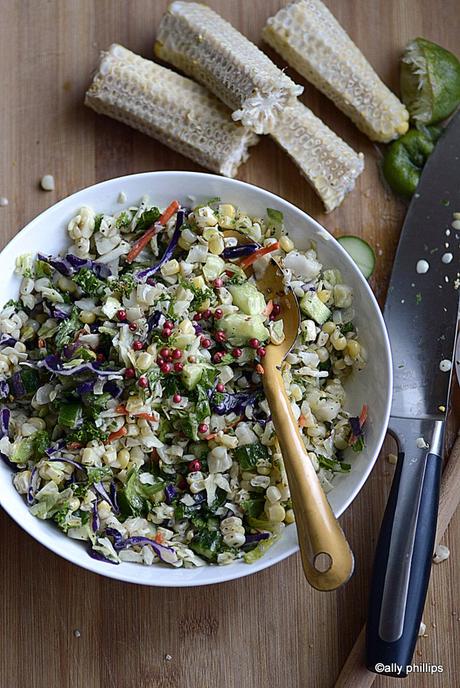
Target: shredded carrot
159,538
169,212
268,308
145,416
149,233
362,419
249,260
260,369
141,244
302,421
210,437
117,434
121,408
74,445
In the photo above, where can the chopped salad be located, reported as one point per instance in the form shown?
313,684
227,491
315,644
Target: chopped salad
131,403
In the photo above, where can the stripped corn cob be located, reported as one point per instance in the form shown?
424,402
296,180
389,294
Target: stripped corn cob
178,112
199,42
310,39
327,162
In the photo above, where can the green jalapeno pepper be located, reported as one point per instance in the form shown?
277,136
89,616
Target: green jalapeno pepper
404,159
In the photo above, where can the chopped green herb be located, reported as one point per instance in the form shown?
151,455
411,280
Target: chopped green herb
249,454
331,465
95,475
97,222
207,544
87,432
418,298
147,219
89,283
66,330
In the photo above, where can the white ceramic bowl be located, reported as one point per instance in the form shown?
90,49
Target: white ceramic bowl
47,233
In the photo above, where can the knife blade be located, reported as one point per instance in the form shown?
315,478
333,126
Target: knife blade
421,315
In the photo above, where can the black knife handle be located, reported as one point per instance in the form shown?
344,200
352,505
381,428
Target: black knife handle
402,563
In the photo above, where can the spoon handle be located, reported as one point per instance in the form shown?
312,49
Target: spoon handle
327,559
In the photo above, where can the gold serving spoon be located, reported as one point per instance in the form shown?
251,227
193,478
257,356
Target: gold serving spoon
327,559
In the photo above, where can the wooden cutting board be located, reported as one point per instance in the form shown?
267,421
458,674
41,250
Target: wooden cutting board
62,627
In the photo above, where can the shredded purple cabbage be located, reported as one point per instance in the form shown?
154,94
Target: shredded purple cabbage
6,340
117,538
114,497
69,349
102,492
234,402
100,557
55,365
95,520
256,537
17,385
355,426
71,264
233,252
62,311
143,274
4,421
112,388
85,387
70,461
170,493
120,543
32,486
160,550
55,448
4,425
154,320
4,389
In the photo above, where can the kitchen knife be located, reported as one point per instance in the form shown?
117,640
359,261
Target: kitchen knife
421,316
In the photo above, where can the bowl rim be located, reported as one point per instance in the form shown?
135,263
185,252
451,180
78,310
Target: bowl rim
215,574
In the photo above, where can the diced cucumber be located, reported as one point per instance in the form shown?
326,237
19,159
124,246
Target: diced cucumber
70,415
192,372
360,251
248,298
312,305
239,328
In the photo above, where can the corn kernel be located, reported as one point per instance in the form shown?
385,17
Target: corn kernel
273,494
227,209
170,268
198,282
183,243
216,245
123,457
324,295
275,512
322,353
329,327
290,516
286,243
339,342
87,317
353,348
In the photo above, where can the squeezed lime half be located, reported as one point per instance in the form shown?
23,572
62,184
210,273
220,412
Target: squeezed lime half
430,81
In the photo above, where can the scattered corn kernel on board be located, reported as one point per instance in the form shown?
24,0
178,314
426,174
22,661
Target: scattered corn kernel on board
63,626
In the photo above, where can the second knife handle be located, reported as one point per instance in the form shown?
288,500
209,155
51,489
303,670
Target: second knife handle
402,563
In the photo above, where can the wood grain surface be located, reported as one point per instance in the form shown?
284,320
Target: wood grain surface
62,627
